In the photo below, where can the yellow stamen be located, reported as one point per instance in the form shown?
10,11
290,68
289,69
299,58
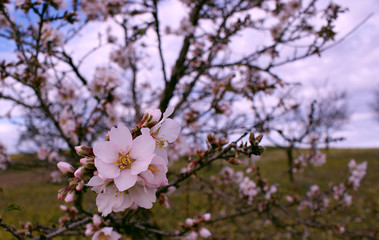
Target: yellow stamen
102,236
124,160
161,143
153,170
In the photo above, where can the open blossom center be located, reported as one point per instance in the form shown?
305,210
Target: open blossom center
161,143
153,170
102,236
124,160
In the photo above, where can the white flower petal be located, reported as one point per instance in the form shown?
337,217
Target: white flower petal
156,113
107,170
106,151
143,146
161,152
169,130
121,137
98,184
102,204
126,180
168,112
141,164
126,203
143,197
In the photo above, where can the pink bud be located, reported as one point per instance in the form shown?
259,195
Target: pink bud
89,230
96,220
69,197
189,222
83,161
205,233
84,151
78,172
66,168
63,208
79,187
207,217
60,196
171,189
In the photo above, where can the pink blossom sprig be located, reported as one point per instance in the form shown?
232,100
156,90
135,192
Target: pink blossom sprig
132,165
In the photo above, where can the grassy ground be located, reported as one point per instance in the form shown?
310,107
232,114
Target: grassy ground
30,189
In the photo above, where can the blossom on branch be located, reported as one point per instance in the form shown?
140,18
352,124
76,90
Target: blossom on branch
123,158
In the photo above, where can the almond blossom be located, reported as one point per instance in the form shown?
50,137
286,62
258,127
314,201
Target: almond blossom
106,233
165,131
123,158
155,176
112,200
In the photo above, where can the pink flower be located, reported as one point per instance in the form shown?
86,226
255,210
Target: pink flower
164,132
123,158
98,184
106,233
112,200
142,196
155,176
167,129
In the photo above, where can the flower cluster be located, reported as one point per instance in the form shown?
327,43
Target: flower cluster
71,214
76,182
51,37
101,9
105,79
132,165
68,124
98,230
228,175
123,56
315,157
194,228
249,188
316,199
357,172
339,193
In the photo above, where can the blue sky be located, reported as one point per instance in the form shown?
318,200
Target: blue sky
352,65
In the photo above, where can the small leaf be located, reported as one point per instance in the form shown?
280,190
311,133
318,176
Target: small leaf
12,207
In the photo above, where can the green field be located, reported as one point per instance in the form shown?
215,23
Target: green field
30,189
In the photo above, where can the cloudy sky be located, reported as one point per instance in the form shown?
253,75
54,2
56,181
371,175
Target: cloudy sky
352,65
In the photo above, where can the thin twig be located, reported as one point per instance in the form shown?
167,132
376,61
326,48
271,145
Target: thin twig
10,229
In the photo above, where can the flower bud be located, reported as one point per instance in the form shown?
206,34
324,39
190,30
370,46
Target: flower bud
205,233
259,138
84,151
69,197
151,124
207,217
222,142
96,219
78,172
79,187
172,189
63,208
89,230
251,137
189,222
66,168
234,161
144,119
